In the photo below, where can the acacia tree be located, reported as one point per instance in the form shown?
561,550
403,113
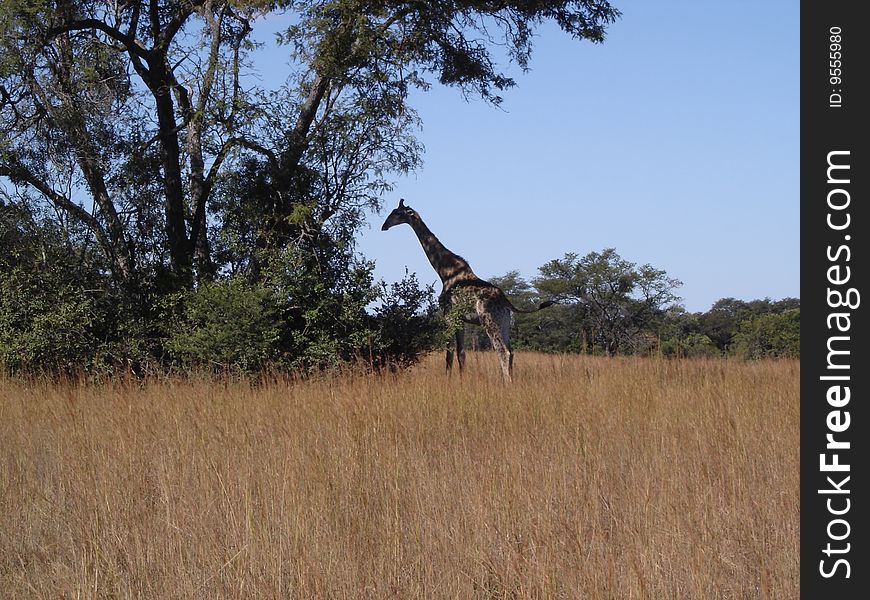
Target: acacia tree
621,299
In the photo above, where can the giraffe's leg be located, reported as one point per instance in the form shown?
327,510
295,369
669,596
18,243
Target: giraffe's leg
444,301
491,318
460,348
505,328
504,356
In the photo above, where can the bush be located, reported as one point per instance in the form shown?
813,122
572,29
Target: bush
321,308
406,324
692,345
770,335
298,322
66,319
228,325
44,326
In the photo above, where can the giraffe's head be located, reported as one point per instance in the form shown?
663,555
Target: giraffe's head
402,214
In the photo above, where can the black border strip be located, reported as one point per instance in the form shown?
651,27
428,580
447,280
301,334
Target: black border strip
834,231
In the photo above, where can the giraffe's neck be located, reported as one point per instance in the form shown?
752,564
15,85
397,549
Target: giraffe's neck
451,268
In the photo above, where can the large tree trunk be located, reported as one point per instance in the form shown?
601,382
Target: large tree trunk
180,248
299,136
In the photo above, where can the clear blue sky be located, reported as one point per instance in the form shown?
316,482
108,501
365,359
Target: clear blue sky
675,142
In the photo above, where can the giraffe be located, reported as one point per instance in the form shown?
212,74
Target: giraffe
478,302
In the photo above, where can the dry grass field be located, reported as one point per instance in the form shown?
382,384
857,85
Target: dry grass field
588,478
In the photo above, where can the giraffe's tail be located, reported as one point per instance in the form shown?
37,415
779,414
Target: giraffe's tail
541,306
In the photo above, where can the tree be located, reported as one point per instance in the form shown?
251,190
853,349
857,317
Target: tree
101,97
622,301
97,98
722,322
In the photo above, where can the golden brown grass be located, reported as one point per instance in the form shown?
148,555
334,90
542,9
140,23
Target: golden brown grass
587,478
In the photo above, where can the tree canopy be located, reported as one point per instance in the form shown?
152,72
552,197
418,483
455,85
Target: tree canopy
620,298
126,118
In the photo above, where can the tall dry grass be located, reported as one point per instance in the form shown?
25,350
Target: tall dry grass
587,478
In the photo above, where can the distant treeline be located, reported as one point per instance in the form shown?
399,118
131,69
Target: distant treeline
607,305
745,329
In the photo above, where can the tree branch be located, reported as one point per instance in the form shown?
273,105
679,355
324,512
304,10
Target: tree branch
131,44
18,173
162,38
299,136
208,182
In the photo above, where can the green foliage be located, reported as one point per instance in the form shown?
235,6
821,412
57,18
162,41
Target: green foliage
771,335
744,329
559,328
224,326
297,320
407,324
456,305
520,291
45,325
608,304
395,44
326,319
52,313
621,301
53,324
693,345
722,322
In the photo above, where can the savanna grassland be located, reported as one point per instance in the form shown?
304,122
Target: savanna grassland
587,478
